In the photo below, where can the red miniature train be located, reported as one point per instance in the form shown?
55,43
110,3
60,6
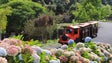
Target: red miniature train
79,32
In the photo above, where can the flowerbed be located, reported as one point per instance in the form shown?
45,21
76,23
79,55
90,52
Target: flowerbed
15,51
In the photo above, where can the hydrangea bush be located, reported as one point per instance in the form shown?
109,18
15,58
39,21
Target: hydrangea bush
17,51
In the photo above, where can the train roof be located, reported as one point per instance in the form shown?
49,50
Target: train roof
83,24
93,22
74,26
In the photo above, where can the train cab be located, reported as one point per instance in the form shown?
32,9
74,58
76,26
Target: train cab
71,32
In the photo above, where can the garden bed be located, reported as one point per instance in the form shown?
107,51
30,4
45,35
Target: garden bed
17,51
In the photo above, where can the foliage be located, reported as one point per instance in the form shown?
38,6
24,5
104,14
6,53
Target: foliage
90,10
4,12
83,52
107,2
105,11
43,26
21,12
27,58
92,45
80,13
43,56
19,0
20,37
85,55
28,26
34,42
3,1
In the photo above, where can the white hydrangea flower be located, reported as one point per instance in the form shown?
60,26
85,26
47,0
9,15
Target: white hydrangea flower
101,54
110,50
80,45
106,52
3,60
71,53
84,49
64,47
54,61
88,49
68,53
60,50
86,60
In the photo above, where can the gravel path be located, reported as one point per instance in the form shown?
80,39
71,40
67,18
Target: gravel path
104,32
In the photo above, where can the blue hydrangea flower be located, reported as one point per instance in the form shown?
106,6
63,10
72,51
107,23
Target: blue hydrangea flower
88,39
47,52
36,58
105,58
20,57
106,52
37,49
3,52
92,62
71,41
74,49
98,60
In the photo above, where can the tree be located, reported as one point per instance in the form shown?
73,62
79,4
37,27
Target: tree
41,27
88,10
105,11
3,1
21,12
109,2
4,12
80,13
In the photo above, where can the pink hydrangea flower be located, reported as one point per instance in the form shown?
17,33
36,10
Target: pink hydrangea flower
28,49
12,50
15,41
12,41
74,58
4,45
0,41
63,58
3,60
6,40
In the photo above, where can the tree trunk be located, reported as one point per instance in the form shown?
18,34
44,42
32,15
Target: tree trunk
44,39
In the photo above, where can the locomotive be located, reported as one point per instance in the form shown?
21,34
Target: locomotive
79,32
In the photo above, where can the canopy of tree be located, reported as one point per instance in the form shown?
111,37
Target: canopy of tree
4,12
21,12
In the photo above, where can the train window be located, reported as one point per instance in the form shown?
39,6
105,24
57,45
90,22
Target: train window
75,31
69,30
